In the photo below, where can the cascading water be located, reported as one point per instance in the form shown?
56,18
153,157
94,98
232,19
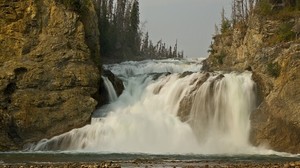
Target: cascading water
144,118
221,111
112,95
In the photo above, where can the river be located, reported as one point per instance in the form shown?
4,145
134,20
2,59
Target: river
150,121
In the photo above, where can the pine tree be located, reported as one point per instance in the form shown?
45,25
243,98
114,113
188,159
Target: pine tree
134,27
175,50
145,46
104,26
225,23
110,10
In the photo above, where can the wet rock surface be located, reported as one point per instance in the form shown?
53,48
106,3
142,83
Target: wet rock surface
187,101
116,82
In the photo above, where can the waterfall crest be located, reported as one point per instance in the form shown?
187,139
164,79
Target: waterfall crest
220,114
144,118
112,95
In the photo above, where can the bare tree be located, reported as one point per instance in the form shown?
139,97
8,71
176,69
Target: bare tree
241,9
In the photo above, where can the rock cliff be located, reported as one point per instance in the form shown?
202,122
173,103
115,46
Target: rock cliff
275,63
49,73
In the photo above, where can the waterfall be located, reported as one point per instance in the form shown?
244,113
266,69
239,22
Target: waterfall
112,95
220,114
144,119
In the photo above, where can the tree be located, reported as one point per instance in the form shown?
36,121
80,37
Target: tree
134,27
120,33
225,23
175,50
145,43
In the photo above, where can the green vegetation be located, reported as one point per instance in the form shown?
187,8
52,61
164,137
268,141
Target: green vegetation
220,57
211,49
274,69
76,5
121,36
286,13
264,7
285,32
225,26
225,22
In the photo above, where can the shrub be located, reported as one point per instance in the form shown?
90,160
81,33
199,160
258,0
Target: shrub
225,25
285,32
265,7
297,4
78,6
274,69
211,49
220,57
285,14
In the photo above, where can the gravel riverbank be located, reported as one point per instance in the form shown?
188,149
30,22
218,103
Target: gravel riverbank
149,164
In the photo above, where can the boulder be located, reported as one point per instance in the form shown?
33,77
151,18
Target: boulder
116,82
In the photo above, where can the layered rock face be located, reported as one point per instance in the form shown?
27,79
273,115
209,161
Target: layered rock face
276,70
48,70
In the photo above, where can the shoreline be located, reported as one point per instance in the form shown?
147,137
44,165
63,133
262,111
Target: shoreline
151,163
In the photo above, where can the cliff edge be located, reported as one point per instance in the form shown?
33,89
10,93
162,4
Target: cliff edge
267,44
49,69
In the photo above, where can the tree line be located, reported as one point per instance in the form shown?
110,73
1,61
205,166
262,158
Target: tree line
121,36
242,9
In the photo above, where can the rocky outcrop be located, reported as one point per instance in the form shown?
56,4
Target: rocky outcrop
48,71
277,119
116,82
186,103
276,70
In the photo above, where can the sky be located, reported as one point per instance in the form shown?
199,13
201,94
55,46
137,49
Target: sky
191,22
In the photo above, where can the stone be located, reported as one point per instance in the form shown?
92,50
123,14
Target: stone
186,102
276,120
49,73
116,82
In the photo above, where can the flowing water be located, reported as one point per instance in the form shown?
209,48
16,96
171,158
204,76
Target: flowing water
112,95
145,118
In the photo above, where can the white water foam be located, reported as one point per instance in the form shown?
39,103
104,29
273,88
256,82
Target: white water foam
220,114
144,118
112,95
133,68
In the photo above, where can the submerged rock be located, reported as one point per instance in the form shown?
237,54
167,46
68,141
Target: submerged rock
48,71
116,82
187,101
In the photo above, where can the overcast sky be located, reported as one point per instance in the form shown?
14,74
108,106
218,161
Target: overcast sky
191,22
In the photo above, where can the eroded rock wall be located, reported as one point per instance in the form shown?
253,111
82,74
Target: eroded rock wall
48,70
276,70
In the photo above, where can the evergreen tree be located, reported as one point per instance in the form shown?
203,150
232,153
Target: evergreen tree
104,28
134,27
145,44
120,35
175,50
